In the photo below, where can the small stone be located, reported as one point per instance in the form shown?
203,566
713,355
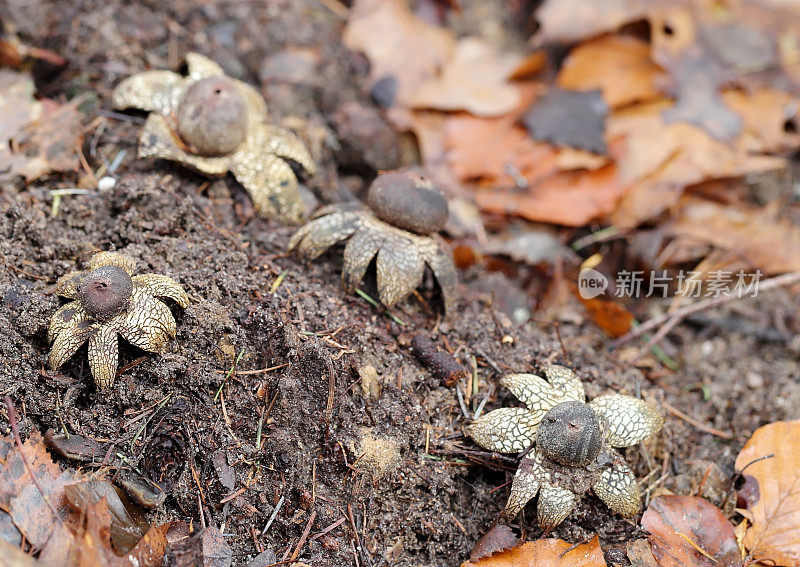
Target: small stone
754,380
106,183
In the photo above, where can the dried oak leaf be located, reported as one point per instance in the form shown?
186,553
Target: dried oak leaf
687,531
772,501
659,160
21,498
36,137
546,553
93,546
620,66
499,538
398,44
758,236
569,118
567,21
571,198
475,80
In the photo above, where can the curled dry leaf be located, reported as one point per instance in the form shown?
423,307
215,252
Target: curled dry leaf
21,498
772,494
36,137
758,236
499,538
546,553
687,531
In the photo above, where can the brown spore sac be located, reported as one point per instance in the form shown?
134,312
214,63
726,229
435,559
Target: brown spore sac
407,200
441,363
212,117
570,434
105,292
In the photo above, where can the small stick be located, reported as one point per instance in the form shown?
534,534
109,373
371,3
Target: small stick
698,424
330,528
304,536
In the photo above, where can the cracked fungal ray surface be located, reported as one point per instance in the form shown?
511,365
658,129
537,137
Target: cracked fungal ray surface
401,255
214,124
563,456
108,300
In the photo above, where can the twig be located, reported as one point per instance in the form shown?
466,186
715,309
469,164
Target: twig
698,424
304,536
12,421
330,528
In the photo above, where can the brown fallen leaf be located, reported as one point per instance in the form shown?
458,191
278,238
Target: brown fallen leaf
398,44
546,553
687,531
571,198
760,237
499,538
620,66
567,21
771,493
659,161
575,119
612,317
36,137
769,117
475,80
21,498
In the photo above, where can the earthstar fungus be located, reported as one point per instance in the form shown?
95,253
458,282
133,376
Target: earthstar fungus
214,124
398,231
108,300
569,444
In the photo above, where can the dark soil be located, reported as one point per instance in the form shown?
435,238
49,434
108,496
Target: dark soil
386,453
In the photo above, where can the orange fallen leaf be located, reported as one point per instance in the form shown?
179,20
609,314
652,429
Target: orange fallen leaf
619,66
772,493
571,198
612,317
546,553
398,44
687,531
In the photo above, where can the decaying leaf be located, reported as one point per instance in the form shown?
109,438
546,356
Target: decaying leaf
399,45
36,137
772,493
620,66
687,531
546,553
499,538
21,498
571,198
575,119
566,21
475,80
760,237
